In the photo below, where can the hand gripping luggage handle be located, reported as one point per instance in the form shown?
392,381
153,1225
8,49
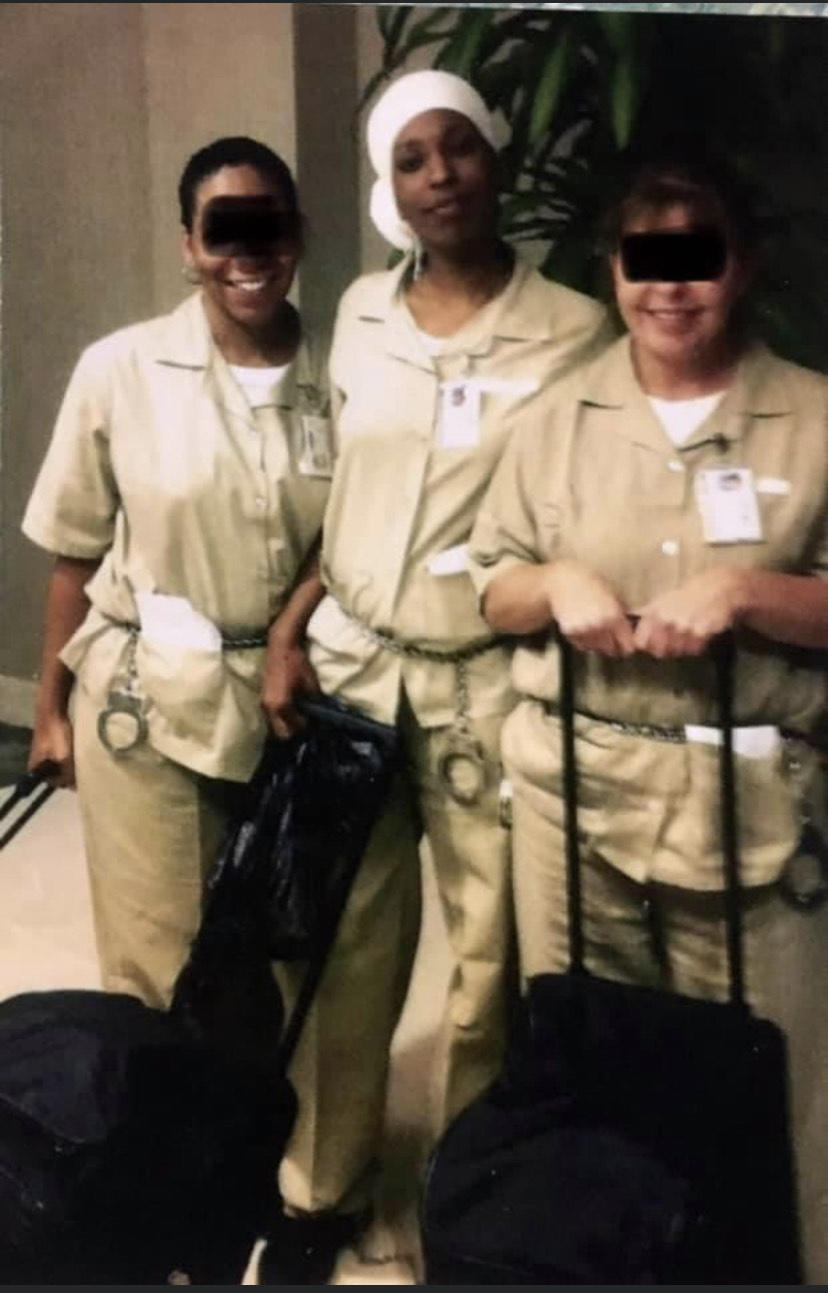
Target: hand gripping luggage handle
24,787
723,652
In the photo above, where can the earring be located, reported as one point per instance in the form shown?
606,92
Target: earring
190,275
420,259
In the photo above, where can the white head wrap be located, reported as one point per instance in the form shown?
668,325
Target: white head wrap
406,98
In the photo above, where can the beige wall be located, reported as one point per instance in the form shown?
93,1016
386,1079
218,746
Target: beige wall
326,143
76,258
373,248
209,70
100,106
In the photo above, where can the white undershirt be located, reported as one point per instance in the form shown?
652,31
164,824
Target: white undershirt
680,418
434,345
260,385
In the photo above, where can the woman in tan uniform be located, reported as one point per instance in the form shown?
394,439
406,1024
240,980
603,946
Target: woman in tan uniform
433,364
672,490
182,492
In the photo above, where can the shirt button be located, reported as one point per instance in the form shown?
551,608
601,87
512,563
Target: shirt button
675,465
260,501
670,548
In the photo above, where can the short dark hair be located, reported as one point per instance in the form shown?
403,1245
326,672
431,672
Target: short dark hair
704,182
235,150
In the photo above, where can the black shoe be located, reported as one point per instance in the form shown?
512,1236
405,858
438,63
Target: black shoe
304,1249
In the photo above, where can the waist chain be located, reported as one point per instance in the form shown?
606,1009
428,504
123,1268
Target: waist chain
462,767
804,883
244,642
673,735
414,650
122,723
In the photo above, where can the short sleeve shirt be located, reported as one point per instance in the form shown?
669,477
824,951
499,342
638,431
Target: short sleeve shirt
595,477
406,491
159,466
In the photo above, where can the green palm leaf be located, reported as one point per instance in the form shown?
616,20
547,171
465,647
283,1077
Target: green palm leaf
549,89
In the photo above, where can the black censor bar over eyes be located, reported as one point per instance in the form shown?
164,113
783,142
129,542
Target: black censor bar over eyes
698,255
251,225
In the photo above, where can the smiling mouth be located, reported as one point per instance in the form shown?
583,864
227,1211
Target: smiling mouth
449,207
673,316
248,284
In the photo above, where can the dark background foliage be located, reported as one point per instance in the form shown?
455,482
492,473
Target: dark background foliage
580,87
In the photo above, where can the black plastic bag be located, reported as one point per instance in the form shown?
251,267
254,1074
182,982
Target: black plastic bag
284,872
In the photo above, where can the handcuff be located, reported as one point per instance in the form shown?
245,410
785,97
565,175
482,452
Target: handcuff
462,765
804,882
122,723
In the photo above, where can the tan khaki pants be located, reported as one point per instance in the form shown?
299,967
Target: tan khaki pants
152,830
658,934
341,1066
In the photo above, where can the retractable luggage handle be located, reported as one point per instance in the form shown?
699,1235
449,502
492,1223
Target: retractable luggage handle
25,786
723,653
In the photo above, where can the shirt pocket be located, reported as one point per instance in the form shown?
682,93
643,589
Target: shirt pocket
184,684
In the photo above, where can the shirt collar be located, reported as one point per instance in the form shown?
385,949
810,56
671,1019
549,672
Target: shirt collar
183,337
758,388
522,313
184,340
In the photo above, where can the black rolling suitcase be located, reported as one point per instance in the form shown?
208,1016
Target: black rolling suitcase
636,1136
141,1147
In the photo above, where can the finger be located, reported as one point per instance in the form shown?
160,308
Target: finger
694,643
607,643
296,721
582,639
650,637
288,720
277,724
50,770
678,642
65,778
641,633
310,682
624,637
598,640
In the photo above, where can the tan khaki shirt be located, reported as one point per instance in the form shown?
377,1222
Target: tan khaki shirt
159,464
403,500
595,477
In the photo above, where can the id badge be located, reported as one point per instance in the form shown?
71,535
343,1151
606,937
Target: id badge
315,458
726,498
459,426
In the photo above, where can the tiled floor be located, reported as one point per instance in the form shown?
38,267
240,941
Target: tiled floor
48,943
